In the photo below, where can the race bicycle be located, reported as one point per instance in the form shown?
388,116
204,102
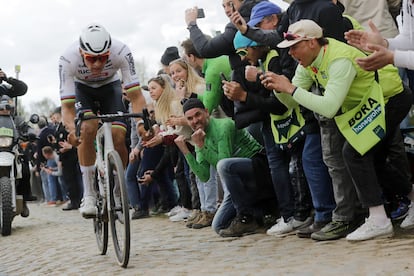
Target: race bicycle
112,201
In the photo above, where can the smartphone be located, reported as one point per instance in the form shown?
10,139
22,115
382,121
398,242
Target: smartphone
232,6
200,13
223,77
261,66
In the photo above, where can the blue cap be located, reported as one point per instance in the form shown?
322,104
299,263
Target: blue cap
261,10
240,41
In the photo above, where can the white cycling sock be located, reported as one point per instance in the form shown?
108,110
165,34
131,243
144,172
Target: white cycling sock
88,178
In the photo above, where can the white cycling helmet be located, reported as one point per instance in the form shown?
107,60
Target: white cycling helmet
95,40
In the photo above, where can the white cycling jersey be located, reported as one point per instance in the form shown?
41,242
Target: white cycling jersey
72,69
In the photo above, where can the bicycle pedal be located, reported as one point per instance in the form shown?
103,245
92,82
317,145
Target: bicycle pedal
89,216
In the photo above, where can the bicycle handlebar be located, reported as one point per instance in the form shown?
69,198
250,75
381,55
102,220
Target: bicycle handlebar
104,117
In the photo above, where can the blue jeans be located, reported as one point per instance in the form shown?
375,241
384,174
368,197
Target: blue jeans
319,180
53,182
239,185
192,184
45,185
279,170
208,192
63,188
168,192
289,183
132,183
53,187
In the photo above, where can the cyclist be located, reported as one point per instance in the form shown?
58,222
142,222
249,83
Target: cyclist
89,83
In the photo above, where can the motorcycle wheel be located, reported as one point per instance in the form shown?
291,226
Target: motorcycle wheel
6,210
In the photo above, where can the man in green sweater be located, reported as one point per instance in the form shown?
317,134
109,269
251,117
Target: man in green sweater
240,163
211,69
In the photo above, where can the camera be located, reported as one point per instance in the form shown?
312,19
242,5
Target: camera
2,78
200,13
51,139
6,103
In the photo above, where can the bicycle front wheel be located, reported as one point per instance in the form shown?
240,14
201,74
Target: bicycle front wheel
100,223
119,208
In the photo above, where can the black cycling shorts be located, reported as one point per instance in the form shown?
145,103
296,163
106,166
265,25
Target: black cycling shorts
106,99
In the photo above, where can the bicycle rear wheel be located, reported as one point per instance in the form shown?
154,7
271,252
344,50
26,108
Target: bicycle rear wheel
100,224
119,211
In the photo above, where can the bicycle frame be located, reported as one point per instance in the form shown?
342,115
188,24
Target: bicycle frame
102,152
113,209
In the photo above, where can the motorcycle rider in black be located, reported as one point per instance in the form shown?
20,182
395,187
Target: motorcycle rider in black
9,88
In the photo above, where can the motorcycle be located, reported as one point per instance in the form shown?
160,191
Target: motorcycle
11,204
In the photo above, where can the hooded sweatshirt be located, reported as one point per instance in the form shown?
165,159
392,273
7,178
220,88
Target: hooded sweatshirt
221,44
324,12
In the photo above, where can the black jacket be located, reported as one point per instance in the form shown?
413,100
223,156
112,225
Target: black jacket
260,101
324,12
271,38
43,142
18,88
221,44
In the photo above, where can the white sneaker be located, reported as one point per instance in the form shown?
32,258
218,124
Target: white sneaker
408,222
181,215
369,230
282,228
175,210
88,207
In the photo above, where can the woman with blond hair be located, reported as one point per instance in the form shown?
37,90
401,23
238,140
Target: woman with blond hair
189,84
187,80
169,116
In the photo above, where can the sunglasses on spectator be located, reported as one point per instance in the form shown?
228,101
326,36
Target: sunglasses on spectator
158,79
242,52
290,36
94,58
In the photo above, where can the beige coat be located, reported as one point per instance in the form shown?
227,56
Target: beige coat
377,10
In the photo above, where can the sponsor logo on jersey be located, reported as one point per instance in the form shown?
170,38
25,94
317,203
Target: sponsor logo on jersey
131,63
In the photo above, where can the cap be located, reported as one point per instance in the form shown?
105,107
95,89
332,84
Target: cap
170,54
240,41
262,10
192,103
302,30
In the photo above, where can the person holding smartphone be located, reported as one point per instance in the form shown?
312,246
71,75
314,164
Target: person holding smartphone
221,44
